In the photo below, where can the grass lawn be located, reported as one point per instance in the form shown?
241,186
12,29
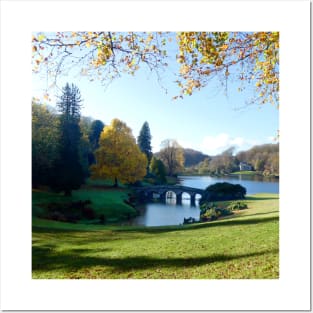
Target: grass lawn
243,246
104,200
246,173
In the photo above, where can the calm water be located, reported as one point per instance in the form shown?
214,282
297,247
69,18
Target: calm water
253,184
170,213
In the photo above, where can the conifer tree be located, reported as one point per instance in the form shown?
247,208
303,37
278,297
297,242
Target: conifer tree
68,171
144,141
94,136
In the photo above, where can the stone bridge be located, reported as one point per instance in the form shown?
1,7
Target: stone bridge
146,193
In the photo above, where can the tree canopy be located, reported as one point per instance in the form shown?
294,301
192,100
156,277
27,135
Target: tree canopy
68,172
158,169
172,155
248,58
45,138
118,156
96,129
144,141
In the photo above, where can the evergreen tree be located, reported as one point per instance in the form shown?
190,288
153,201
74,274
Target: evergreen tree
95,132
144,141
68,171
94,136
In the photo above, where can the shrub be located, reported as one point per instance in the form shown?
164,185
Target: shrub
210,212
209,215
238,205
56,216
88,213
223,192
102,218
69,212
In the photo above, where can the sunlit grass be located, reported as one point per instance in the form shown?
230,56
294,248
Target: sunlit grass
246,173
244,246
110,202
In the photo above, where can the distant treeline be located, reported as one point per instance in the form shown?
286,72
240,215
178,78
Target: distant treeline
263,159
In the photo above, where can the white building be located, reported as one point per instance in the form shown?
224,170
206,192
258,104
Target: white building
243,166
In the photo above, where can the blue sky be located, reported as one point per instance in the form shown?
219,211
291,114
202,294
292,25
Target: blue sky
208,120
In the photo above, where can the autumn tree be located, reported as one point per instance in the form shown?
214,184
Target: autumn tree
118,156
102,55
249,58
172,155
144,142
68,172
264,158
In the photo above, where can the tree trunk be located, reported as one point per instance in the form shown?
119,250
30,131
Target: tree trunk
115,183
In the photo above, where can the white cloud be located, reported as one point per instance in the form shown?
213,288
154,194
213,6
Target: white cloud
213,145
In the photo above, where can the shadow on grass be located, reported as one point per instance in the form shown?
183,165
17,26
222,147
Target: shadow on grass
46,229
44,260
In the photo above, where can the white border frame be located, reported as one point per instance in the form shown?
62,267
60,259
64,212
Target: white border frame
19,291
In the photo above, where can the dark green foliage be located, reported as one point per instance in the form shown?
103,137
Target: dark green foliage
157,168
102,218
94,136
85,149
210,212
95,131
45,137
144,141
70,212
68,172
84,152
223,191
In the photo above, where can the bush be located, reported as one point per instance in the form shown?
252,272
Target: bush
223,192
238,205
210,212
69,212
88,213
102,218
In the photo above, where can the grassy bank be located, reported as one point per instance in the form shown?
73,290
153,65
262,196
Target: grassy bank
243,246
105,200
246,173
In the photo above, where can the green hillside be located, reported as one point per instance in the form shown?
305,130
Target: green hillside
243,246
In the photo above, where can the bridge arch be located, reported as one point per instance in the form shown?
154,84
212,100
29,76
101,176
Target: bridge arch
177,192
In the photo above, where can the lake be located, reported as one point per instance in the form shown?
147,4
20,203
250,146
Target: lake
170,213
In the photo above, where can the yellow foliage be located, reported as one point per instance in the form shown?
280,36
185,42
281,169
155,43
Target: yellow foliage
203,54
251,57
118,156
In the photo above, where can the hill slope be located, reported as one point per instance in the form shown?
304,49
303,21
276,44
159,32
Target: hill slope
245,246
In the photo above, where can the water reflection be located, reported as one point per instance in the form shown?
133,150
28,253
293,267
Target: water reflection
253,183
167,213
171,213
